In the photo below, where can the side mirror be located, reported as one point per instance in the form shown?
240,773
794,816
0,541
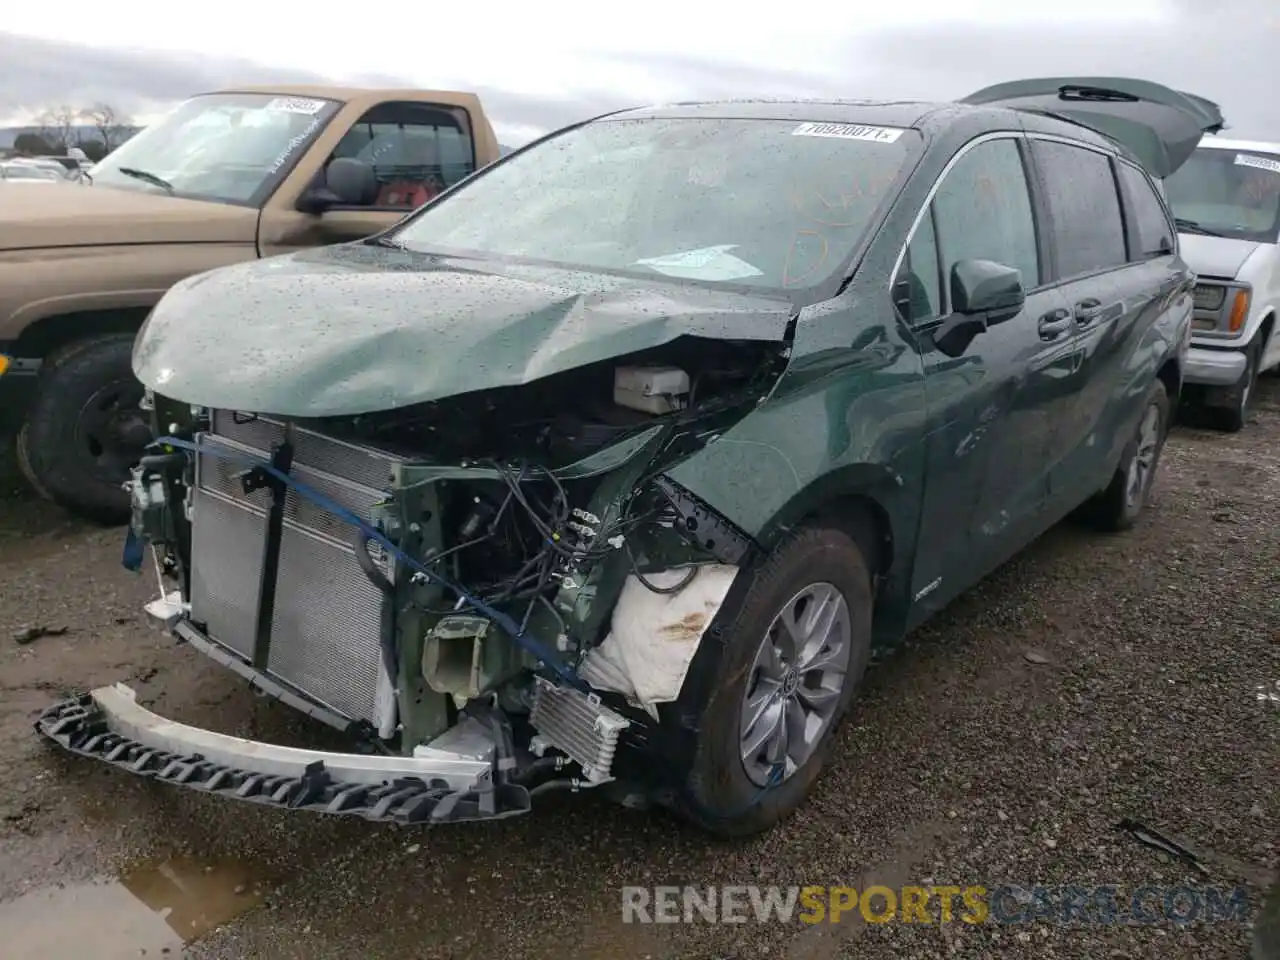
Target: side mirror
983,293
986,288
348,182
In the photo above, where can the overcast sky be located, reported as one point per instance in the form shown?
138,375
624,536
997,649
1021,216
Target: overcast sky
543,65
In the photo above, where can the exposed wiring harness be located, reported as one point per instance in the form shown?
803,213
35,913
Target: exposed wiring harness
532,580
653,587
519,634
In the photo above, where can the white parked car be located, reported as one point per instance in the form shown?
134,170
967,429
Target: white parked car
29,172
1227,202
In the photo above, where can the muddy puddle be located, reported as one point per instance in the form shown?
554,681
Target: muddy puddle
150,910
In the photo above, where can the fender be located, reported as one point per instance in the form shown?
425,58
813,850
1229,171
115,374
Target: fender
854,431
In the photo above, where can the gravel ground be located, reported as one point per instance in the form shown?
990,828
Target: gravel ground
1091,679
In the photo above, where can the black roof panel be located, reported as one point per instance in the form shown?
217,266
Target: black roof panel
889,113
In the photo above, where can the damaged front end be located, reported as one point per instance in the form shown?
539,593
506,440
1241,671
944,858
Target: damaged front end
492,593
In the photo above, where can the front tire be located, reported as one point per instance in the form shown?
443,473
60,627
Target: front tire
1119,505
785,665
1234,417
85,429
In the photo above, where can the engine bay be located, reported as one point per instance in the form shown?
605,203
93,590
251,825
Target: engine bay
475,552
570,415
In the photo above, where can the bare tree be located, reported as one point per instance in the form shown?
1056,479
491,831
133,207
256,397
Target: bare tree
58,127
112,126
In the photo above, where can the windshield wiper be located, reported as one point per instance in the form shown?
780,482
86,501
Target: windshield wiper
147,176
1190,226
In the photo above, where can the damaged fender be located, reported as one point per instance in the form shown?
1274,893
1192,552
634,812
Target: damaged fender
842,422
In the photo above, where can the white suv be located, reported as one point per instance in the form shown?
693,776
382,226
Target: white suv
1227,201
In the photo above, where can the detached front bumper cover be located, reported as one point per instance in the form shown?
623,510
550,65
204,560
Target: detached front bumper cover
108,724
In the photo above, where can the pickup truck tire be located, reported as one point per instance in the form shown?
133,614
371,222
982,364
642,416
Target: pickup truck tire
1119,505
724,792
85,429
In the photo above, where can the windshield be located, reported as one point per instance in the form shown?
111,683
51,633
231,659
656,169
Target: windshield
1228,192
763,203
226,147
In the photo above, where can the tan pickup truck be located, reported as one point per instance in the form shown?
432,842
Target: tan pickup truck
225,177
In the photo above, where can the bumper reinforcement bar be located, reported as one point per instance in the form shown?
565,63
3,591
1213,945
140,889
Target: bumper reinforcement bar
108,724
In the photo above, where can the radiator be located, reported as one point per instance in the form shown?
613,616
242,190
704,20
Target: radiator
327,617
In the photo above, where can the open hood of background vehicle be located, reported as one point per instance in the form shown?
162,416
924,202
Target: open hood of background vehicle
1159,126
357,328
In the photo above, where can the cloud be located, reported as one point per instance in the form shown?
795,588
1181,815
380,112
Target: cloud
38,74
1224,51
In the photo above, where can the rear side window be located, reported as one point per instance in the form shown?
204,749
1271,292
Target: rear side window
1152,230
1084,208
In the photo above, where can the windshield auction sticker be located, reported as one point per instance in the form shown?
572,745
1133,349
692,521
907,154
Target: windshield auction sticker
847,131
296,105
1261,163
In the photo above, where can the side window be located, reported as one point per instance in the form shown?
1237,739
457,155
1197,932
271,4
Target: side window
416,150
982,211
918,291
1151,224
1084,208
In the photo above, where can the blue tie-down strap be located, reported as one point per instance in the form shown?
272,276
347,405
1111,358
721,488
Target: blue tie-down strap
131,558
518,634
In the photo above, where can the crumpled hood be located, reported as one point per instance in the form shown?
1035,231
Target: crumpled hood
358,328
1215,256
38,216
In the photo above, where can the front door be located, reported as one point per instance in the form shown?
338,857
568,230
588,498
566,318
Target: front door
994,410
416,151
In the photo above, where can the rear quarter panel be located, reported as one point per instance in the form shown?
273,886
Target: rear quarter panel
1124,365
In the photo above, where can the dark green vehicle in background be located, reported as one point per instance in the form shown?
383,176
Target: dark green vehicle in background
610,467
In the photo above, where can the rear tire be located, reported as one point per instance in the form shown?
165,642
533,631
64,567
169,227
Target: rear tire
1120,504
85,429
731,789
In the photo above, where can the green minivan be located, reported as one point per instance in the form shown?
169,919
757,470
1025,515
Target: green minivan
610,467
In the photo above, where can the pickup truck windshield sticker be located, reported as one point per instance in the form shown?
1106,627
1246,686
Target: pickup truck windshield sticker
847,131
1261,163
296,105
292,146
707,263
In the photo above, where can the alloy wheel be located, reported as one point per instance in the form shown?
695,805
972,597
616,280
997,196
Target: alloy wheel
1143,463
796,683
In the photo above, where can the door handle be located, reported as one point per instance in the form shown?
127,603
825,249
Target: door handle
1088,311
1054,324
